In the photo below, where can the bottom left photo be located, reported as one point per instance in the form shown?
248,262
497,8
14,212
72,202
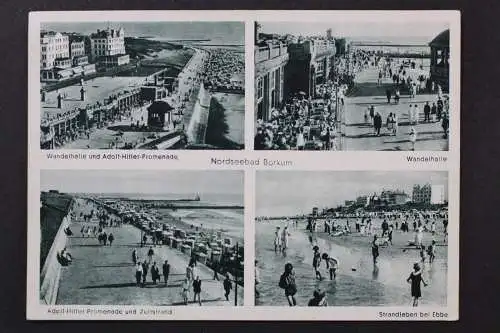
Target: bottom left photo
126,237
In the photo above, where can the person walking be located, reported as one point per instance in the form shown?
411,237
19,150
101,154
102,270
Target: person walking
377,123
227,286
166,271
145,269
316,262
445,124
151,253
155,273
375,251
185,291
111,238
284,238
434,112
388,94
416,280
134,256
413,137
197,290
287,282
138,274
277,240
427,112
190,272
416,114
331,265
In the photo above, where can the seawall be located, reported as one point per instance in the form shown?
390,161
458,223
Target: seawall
51,270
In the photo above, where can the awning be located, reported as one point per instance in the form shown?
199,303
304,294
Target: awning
65,73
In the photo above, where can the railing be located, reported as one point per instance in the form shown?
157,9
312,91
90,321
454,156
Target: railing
264,53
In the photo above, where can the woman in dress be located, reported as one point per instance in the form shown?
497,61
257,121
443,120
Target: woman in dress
413,137
185,291
416,279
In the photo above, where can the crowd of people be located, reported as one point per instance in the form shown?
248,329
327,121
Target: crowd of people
191,282
304,123
224,70
381,229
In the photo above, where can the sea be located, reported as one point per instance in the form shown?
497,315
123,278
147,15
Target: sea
203,33
364,285
205,198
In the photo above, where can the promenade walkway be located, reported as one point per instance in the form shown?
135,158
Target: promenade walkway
360,135
105,275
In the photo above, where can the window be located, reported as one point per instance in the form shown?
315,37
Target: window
260,88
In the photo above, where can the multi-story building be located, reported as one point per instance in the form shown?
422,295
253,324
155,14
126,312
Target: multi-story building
363,200
422,193
393,198
107,43
311,62
76,46
270,62
53,45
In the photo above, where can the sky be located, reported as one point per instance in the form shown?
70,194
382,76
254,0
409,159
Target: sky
426,31
150,181
277,192
229,31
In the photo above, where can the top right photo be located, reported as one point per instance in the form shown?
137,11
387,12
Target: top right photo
351,86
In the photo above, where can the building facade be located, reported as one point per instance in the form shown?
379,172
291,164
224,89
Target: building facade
440,60
109,42
422,194
53,45
310,64
76,46
393,198
270,62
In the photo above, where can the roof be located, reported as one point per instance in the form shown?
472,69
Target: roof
160,107
97,90
443,39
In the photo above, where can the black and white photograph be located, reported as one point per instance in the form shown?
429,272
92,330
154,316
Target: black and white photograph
351,238
155,238
353,85
142,85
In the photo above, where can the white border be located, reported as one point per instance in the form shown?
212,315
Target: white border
358,160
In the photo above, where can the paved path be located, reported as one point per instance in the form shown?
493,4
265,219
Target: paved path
105,275
360,136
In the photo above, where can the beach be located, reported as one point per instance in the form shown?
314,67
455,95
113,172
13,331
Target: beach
358,282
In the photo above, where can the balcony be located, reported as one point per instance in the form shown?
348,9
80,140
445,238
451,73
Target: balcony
264,53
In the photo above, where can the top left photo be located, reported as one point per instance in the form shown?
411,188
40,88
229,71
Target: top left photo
142,85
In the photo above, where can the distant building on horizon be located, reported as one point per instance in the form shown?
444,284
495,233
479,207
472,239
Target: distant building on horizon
422,194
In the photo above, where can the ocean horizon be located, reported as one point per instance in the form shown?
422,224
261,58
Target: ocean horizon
208,198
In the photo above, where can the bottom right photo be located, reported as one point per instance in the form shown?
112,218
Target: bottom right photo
351,238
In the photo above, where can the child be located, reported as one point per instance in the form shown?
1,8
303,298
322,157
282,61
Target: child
316,262
431,251
331,265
